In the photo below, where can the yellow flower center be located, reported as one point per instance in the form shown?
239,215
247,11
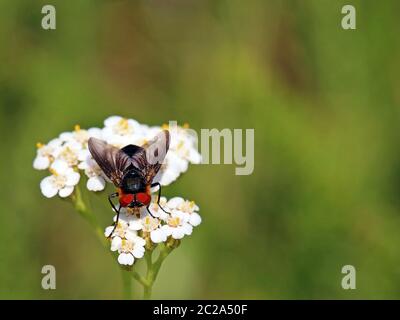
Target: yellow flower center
174,222
126,245
180,145
120,230
69,156
58,180
149,224
93,171
122,127
44,150
187,206
123,123
133,211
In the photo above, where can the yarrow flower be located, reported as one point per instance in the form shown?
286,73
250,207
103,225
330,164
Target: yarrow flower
67,158
72,148
62,180
187,208
45,154
178,221
128,248
96,179
182,151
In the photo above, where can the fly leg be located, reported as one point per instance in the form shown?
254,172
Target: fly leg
157,184
113,195
147,207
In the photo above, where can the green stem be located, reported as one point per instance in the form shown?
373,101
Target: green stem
126,272
126,284
154,268
148,286
147,292
86,214
135,275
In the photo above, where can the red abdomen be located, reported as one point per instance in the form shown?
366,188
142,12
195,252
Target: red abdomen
125,199
143,198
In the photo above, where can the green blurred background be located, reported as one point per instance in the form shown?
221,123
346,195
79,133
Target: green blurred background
324,103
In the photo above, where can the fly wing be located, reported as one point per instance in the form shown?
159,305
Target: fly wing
149,158
110,159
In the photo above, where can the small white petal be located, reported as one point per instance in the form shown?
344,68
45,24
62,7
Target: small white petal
126,259
176,163
194,219
96,183
182,165
72,178
74,145
112,120
95,132
140,241
158,235
167,230
157,212
48,188
175,202
131,235
124,219
115,243
107,133
135,224
108,230
167,177
138,253
121,258
54,143
66,136
41,163
60,166
187,228
83,154
194,156
66,191
130,259
177,233
82,165
183,216
140,248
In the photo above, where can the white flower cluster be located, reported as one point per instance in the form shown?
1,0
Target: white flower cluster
130,236
67,156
